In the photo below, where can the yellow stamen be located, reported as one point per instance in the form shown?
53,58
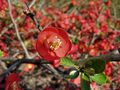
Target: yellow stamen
14,86
55,44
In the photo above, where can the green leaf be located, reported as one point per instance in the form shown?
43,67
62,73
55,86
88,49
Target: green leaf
85,85
1,53
97,64
89,71
73,74
99,78
67,62
85,77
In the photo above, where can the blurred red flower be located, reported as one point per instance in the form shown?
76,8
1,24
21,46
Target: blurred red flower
53,43
12,82
3,5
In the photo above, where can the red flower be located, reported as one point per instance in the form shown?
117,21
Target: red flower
3,5
12,82
53,43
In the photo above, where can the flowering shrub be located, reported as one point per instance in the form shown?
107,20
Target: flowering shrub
76,38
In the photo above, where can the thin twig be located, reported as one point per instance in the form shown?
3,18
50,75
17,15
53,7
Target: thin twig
16,29
32,16
21,61
32,3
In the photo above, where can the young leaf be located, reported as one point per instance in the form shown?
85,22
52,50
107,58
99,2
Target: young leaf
67,62
99,78
89,71
97,64
85,77
85,85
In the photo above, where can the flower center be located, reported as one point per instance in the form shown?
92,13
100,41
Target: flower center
55,44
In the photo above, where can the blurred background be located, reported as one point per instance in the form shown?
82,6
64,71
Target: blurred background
92,25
